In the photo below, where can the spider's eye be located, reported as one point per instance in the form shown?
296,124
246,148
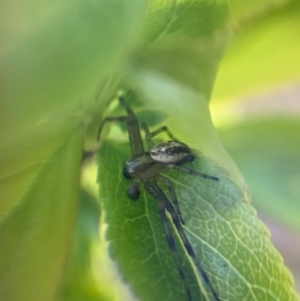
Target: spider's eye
133,192
126,174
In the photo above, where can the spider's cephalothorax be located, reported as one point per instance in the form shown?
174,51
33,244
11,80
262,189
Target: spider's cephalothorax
146,167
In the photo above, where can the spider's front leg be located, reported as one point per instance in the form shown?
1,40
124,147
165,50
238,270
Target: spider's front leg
149,135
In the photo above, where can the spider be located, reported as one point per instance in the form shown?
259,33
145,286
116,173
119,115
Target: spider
145,167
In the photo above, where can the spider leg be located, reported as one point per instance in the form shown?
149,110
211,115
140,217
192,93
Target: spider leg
192,172
188,246
155,191
134,135
150,135
110,119
147,135
168,183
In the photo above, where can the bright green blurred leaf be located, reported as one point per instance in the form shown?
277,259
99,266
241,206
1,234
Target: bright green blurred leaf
232,245
190,63
38,204
186,40
262,55
55,54
267,152
195,18
249,11
79,282
53,57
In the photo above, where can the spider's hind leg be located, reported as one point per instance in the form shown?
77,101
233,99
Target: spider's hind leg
172,192
159,195
189,248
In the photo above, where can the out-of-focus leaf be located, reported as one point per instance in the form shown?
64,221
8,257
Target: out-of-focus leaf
183,18
250,11
50,59
262,55
190,63
54,54
186,40
38,203
267,152
230,242
79,282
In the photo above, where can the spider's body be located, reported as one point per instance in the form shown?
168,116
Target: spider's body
145,168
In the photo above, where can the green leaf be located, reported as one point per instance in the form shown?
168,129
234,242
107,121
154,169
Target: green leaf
190,18
263,55
230,242
190,63
52,58
267,152
39,184
79,282
55,55
250,11
186,40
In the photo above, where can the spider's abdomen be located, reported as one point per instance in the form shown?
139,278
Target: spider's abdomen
171,152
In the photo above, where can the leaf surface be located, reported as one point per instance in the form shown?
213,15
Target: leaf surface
79,282
55,56
38,204
230,242
185,41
